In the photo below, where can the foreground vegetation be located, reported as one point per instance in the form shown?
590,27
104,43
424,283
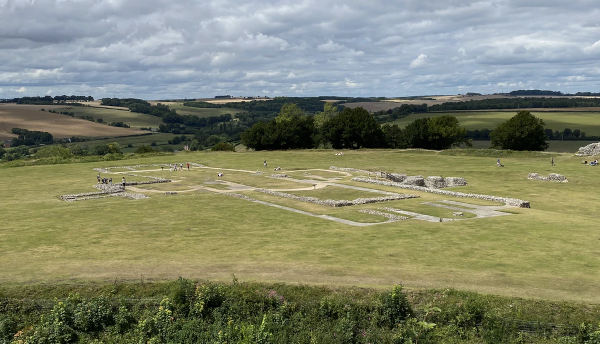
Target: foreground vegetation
185,312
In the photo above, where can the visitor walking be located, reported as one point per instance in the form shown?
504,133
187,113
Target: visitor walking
98,178
188,165
552,161
498,162
265,163
123,183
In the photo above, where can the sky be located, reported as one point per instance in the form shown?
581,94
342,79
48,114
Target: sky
166,49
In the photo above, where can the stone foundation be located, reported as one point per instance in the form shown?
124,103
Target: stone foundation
505,200
381,213
552,177
337,203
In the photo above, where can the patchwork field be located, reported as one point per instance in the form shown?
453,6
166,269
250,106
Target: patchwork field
30,117
114,114
549,251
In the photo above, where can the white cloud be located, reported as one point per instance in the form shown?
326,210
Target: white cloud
157,49
419,61
49,92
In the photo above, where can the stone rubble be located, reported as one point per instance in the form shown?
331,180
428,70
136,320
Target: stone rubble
552,177
430,182
505,200
279,175
381,213
337,203
348,169
589,150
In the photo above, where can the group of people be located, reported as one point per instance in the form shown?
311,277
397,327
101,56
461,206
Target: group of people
339,153
102,180
175,167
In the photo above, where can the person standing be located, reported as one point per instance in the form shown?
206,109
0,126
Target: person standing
188,165
265,163
552,161
498,162
123,183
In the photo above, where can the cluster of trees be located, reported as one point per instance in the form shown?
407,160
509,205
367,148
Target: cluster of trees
523,131
516,103
568,134
124,102
391,115
535,93
31,137
117,124
349,129
48,100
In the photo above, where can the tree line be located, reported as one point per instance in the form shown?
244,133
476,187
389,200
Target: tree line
349,129
48,100
30,137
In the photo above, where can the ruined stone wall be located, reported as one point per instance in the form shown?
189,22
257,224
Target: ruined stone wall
589,150
505,200
381,213
337,203
552,177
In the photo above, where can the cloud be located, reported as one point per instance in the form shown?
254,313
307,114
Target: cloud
21,90
156,49
419,61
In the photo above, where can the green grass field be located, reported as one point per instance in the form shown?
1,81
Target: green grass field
550,251
555,145
133,119
589,122
202,112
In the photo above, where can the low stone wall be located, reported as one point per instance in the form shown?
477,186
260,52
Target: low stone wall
279,175
589,150
337,203
505,200
395,177
430,182
348,169
97,195
381,213
552,177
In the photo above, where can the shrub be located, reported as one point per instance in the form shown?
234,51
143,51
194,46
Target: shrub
153,144
143,149
395,307
223,146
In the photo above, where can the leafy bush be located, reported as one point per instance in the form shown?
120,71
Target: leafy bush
395,307
223,146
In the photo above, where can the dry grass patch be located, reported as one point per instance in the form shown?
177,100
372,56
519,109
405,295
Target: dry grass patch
31,118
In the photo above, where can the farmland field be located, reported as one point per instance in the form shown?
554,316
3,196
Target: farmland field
30,117
585,121
549,251
133,119
200,112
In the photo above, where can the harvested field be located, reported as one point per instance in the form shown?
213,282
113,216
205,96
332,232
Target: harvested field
30,117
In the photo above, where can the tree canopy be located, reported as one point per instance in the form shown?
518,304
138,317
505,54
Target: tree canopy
523,132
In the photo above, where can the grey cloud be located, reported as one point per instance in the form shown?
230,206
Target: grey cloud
183,48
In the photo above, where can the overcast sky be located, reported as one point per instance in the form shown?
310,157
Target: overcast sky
157,49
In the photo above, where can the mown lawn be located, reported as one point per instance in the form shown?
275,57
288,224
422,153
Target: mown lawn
549,251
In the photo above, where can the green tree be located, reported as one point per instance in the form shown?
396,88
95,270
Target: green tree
353,129
445,132
522,132
330,110
576,133
394,137
143,149
224,147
